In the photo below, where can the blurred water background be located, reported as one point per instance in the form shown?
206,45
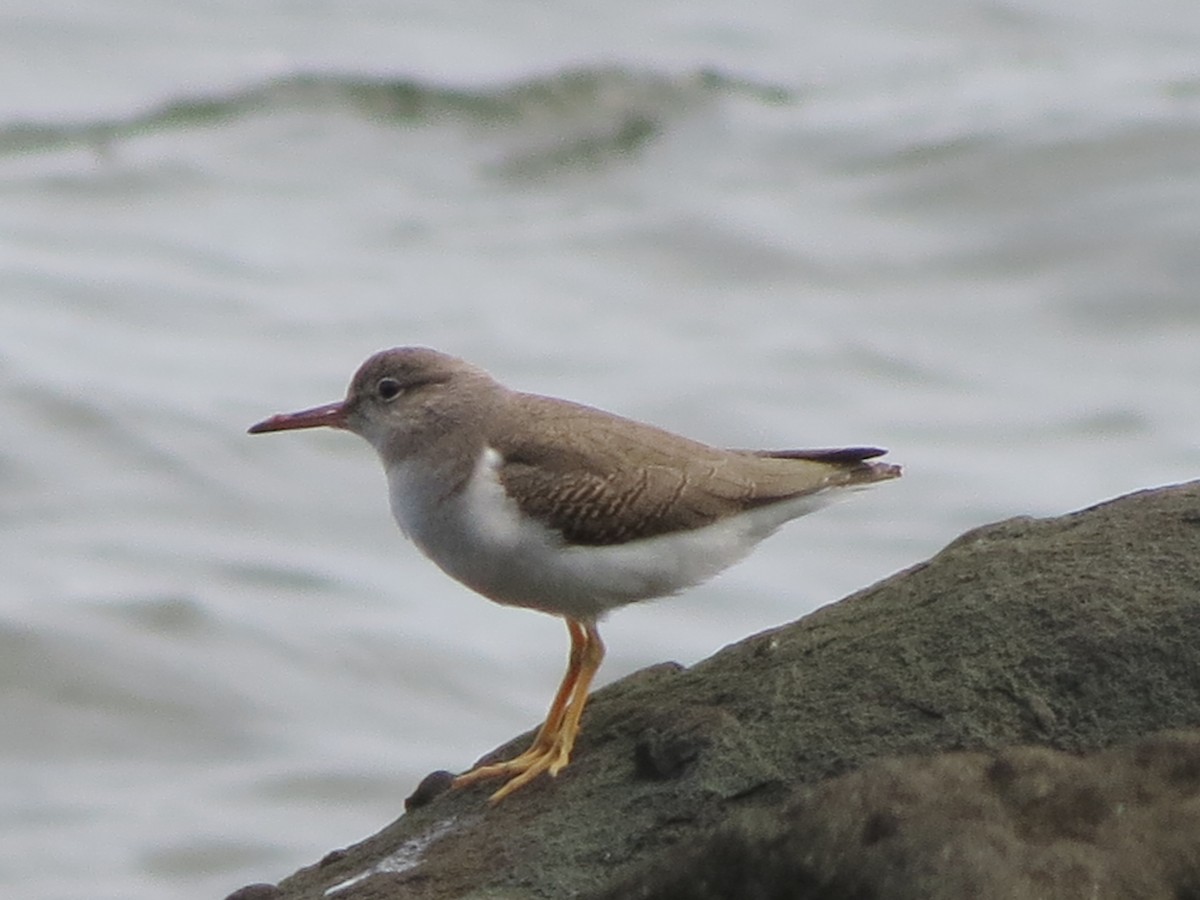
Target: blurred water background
968,231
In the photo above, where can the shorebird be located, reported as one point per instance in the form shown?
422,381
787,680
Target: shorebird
547,504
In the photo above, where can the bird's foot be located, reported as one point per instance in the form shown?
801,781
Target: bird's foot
548,755
551,748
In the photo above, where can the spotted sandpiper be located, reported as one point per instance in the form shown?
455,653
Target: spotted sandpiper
543,503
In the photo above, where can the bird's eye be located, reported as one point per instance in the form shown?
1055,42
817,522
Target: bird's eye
388,389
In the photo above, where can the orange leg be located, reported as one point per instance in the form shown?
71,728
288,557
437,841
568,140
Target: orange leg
551,748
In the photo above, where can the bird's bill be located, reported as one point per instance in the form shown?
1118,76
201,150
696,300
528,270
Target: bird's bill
331,415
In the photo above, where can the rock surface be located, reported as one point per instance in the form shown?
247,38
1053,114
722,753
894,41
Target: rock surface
873,748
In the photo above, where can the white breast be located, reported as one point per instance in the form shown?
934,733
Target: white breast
479,537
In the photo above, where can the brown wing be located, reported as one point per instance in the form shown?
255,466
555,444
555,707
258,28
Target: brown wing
600,479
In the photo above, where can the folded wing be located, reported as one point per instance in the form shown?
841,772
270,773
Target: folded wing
599,479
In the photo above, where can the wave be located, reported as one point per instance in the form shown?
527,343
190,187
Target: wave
632,104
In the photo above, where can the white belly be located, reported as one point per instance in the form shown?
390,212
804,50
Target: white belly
479,538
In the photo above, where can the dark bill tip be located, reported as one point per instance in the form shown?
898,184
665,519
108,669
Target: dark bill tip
331,415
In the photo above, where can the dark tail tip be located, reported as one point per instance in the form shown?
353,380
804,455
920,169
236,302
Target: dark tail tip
826,455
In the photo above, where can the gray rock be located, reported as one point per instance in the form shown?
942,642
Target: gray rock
1013,824
817,759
